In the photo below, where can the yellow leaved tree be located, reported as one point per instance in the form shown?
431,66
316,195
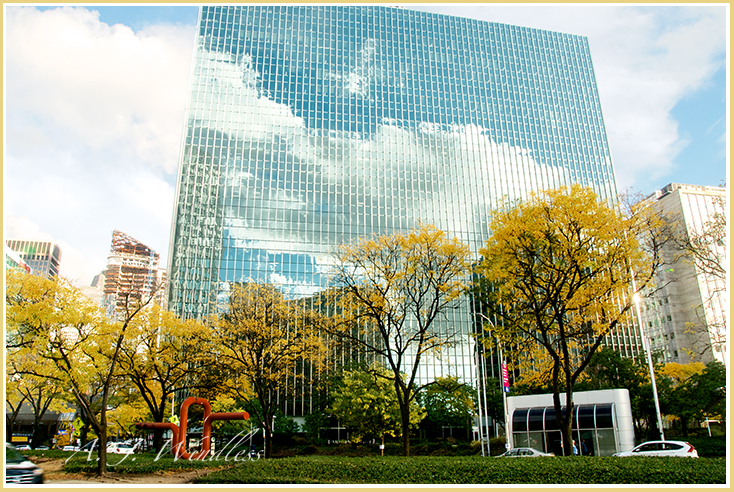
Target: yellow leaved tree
52,320
266,345
557,273
161,355
391,295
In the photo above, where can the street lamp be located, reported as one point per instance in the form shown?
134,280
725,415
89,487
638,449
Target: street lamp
648,350
508,439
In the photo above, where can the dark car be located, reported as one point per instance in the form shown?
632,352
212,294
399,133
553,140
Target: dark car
18,469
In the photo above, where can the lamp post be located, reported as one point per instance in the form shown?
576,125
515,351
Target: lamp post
480,393
648,350
508,439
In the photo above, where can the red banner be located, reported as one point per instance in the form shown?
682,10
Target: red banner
505,378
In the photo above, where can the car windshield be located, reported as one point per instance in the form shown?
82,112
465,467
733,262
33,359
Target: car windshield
12,455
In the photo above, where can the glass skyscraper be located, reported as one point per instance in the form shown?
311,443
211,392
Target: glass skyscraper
310,126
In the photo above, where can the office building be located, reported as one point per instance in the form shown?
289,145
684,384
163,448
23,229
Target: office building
43,257
132,273
14,261
685,317
311,126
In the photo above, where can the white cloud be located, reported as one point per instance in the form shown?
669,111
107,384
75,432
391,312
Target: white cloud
94,115
102,86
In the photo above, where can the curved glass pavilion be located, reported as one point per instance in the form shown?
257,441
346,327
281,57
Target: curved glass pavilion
310,126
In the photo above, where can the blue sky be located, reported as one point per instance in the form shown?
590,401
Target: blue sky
95,96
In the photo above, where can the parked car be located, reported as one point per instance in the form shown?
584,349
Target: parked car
662,448
23,447
70,448
120,448
524,452
18,469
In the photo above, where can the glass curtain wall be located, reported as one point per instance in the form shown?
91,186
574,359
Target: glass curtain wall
311,126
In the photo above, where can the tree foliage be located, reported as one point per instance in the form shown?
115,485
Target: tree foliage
448,403
160,355
366,403
265,344
697,392
52,320
392,294
557,272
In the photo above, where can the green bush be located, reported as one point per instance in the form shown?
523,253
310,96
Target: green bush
473,470
708,446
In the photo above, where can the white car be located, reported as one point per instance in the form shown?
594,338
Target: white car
524,453
23,447
120,448
662,448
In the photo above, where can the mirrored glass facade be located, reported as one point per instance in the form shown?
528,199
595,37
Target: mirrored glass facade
310,126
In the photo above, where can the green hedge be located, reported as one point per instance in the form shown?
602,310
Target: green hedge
473,470
707,446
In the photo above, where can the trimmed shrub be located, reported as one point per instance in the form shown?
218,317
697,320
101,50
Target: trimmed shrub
474,470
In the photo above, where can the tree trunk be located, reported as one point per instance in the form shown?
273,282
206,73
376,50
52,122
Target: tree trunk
268,440
102,442
405,420
36,425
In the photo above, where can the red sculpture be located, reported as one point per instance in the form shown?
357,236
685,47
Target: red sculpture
178,440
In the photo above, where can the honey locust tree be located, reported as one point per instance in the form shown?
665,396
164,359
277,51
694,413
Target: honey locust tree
161,355
392,294
55,321
366,403
557,274
266,344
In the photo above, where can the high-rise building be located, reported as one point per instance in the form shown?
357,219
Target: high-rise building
310,126
685,318
132,272
14,261
43,257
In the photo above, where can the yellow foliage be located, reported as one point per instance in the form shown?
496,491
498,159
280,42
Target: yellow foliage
680,373
265,342
557,273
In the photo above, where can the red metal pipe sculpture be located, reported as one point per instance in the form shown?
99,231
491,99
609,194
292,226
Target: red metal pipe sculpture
178,438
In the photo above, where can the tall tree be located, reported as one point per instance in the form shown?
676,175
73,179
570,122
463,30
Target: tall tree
265,342
51,318
162,354
557,273
392,294
366,403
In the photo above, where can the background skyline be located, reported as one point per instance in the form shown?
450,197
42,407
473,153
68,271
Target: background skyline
95,100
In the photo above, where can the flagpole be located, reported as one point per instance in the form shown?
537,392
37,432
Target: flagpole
503,388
